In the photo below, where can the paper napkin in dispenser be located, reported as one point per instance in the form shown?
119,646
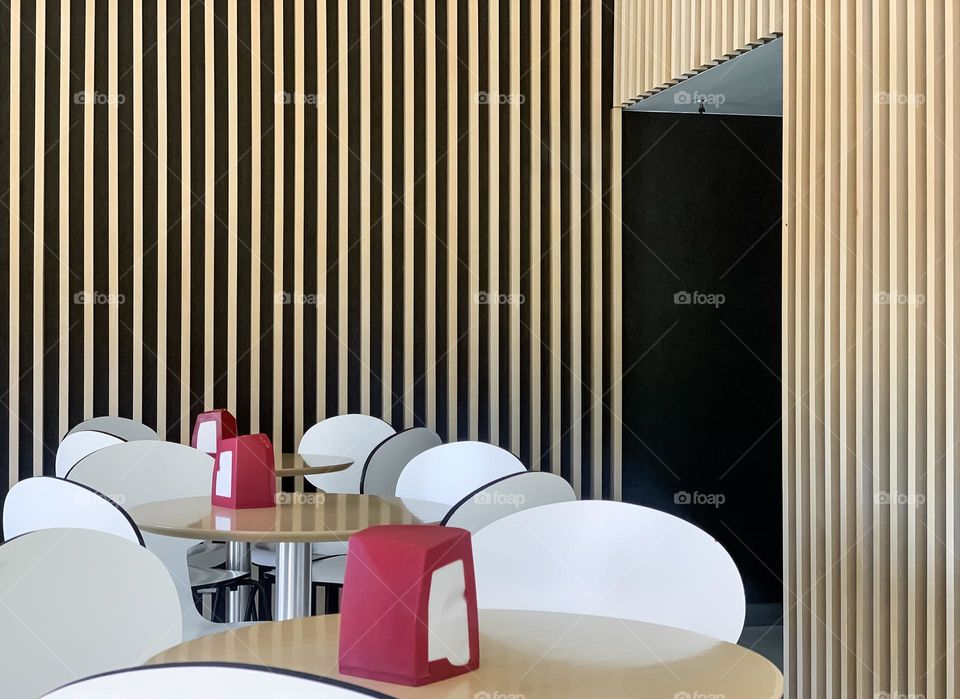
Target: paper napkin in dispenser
409,606
211,428
243,475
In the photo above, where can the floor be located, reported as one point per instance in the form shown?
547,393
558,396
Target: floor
763,632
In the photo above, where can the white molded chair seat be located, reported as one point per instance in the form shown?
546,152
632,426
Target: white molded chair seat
449,472
212,681
75,447
388,459
353,436
613,559
510,494
116,607
125,428
148,471
43,502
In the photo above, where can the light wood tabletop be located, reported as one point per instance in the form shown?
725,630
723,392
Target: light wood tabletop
300,517
311,464
525,654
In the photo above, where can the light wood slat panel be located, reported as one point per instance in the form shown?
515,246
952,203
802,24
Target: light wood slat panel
386,216
492,106
209,200
138,148
299,148
409,213
473,259
365,368
516,294
563,78
162,219
596,253
186,232
278,136
233,163
113,205
430,180
343,192
536,249
555,241
40,53
64,271
322,206
13,390
453,259
256,196
664,39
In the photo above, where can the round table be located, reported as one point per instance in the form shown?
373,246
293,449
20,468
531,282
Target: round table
311,464
524,654
299,520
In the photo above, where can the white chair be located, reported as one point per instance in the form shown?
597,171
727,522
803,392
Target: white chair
123,427
448,473
384,464
149,471
612,559
210,680
75,447
353,436
506,495
54,503
75,602
510,494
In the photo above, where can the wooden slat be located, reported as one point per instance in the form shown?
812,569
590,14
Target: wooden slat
453,259
408,210
365,368
209,200
186,232
515,292
138,148
278,290
343,192
233,160
38,236
63,328
113,206
473,178
536,253
386,216
256,185
13,391
556,310
162,219
430,220
492,107
299,148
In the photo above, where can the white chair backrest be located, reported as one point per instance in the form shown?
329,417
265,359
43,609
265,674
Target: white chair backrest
610,559
79,445
140,472
51,503
388,459
518,491
448,473
212,680
123,427
75,602
353,436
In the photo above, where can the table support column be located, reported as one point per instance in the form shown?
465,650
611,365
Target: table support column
238,558
293,581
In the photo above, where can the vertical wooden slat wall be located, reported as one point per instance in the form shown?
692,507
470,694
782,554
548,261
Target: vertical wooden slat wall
299,209
870,385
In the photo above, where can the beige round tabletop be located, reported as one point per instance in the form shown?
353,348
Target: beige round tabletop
311,464
524,654
300,517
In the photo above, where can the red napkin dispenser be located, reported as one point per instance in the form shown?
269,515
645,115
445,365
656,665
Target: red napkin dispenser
243,474
408,614
211,428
